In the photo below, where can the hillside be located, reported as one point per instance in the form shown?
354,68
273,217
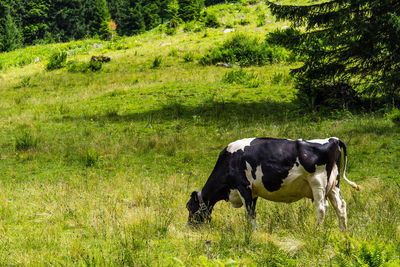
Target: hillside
97,166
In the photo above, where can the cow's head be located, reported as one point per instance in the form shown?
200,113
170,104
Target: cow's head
198,210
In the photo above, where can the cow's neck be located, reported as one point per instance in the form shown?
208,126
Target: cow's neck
212,193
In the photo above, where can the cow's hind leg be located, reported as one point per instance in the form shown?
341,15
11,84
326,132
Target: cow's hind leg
339,204
318,187
250,205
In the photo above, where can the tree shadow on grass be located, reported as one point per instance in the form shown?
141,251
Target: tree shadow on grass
217,112
225,113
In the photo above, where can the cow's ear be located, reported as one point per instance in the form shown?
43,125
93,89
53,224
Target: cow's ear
194,196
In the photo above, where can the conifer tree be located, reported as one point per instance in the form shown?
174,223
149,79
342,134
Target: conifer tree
151,15
349,47
129,18
67,20
190,9
10,34
35,20
98,18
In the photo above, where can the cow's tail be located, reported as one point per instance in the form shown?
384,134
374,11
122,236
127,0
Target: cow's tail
353,184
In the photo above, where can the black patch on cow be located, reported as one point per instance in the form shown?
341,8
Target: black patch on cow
275,156
314,154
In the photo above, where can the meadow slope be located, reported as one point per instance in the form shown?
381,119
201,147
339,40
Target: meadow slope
96,167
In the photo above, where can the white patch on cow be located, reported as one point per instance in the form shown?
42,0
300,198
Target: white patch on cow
248,173
239,145
294,187
332,179
321,141
235,199
318,182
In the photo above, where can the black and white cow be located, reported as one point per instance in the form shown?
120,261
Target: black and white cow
279,170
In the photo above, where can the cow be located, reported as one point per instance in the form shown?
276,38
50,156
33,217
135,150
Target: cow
280,170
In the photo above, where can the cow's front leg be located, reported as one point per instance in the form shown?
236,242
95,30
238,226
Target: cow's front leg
250,204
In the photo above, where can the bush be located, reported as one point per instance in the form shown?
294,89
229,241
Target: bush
241,77
245,51
83,67
188,57
211,20
157,62
24,141
261,20
170,30
189,26
57,60
394,116
244,22
171,27
95,65
281,79
90,158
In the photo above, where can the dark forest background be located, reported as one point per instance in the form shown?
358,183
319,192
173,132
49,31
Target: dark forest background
27,22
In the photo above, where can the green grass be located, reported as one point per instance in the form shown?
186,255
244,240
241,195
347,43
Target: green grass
96,168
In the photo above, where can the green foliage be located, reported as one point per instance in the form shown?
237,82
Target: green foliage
10,34
190,9
244,22
24,140
84,67
211,20
151,16
394,116
366,253
57,60
349,48
261,20
189,26
241,77
130,19
188,57
44,21
281,79
90,158
156,63
245,51
98,19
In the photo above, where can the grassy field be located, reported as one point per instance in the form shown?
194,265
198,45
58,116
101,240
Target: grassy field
96,168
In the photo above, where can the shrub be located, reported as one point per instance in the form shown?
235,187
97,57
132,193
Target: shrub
245,51
244,22
82,67
281,78
394,116
156,62
95,65
236,76
189,26
170,30
57,60
90,158
211,20
173,53
261,20
241,77
25,140
171,27
188,57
